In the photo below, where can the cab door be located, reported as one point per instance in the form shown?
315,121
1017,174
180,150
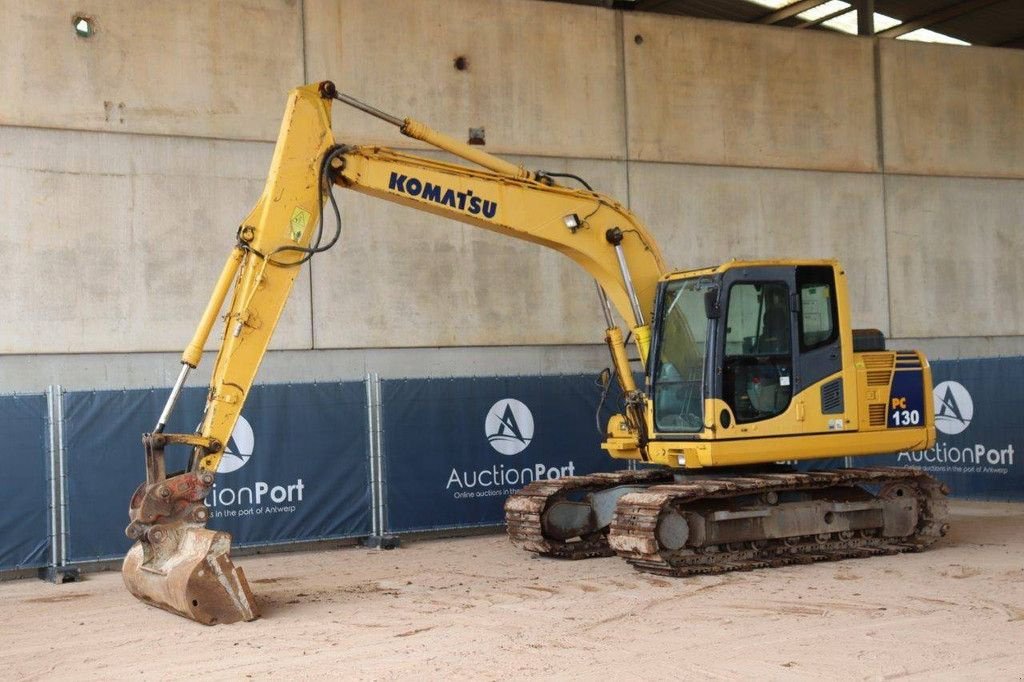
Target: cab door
818,345
778,351
756,347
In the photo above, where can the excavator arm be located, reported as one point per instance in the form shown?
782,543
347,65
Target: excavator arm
177,563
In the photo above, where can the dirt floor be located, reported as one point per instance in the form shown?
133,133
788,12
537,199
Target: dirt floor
477,608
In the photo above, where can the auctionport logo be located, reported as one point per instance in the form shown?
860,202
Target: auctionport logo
509,426
239,449
509,430
954,412
258,498
954,408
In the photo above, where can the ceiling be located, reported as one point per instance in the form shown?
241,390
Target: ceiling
997,23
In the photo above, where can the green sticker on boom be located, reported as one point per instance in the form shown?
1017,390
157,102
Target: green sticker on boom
300,218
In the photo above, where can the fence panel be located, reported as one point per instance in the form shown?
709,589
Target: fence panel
454,449
979,405
24,494
296,469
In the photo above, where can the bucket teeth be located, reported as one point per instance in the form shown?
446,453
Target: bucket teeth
189,572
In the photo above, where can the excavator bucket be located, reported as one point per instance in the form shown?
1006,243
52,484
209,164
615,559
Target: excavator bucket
195,579
176,562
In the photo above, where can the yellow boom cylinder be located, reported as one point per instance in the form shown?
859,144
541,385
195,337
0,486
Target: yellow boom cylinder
642,334
194,351
613,336
424,133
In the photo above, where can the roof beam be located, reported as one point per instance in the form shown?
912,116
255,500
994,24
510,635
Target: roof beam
1017,42
790,10
821,20
865,17
954,10
648,5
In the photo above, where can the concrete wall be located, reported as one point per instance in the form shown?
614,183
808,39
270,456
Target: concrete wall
954,254
732,94
542,78
188,68
128,158
949,111
113,242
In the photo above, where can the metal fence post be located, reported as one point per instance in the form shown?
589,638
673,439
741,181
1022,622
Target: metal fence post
57,571
54,501
380,538
371,441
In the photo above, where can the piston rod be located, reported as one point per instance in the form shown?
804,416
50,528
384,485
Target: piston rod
606,307
172,399
614,237
424,133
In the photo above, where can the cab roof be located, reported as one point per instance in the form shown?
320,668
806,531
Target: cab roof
736,264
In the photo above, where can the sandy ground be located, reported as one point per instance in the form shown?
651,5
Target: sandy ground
477,608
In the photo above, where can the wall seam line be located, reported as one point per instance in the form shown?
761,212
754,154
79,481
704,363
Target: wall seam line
621,20
610,159
880,138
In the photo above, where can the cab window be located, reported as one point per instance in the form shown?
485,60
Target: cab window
758,364
818,324
679,368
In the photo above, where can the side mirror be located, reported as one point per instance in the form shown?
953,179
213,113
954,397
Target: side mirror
604,378
712,309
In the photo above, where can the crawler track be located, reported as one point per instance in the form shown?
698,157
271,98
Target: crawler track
524,511
633,530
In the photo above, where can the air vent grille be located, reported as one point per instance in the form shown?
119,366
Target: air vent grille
832,397
907,360
876,414
879,368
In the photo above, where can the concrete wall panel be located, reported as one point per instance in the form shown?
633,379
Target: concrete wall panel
542,78
189,67
952,111
402,278
112,243
954,256
704,216
726,93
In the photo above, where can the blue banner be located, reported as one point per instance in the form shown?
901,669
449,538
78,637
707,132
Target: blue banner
980,430
299,467
295,468
24,491
454,449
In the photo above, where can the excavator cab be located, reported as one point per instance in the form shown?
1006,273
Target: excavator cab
743,333
758,350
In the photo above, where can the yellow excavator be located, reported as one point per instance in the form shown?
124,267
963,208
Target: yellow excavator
743,366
